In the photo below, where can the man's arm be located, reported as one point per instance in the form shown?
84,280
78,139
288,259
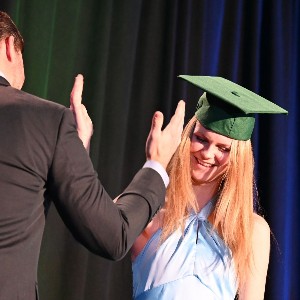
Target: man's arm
107,228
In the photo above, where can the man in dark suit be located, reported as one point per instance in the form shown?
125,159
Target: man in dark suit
42,157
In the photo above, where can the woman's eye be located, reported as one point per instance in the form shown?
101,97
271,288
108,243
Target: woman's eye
224,149
200,139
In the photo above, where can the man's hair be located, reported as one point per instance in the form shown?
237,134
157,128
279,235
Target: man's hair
8,28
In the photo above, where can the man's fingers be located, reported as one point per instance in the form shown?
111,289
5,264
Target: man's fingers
78,109
161,145
154,135
76,93
157,122
81,116
177,121
178,117
83,121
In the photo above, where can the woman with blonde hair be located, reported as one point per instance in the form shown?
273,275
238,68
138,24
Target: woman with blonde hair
208,242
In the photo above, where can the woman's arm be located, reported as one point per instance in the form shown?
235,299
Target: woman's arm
254,288
144,237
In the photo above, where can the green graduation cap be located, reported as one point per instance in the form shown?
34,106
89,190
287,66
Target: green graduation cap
228,108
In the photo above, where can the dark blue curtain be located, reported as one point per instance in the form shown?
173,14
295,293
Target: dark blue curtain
131,53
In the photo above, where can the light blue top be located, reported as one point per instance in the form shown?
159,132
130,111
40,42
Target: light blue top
196,265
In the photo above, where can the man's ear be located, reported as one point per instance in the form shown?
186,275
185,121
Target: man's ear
10,47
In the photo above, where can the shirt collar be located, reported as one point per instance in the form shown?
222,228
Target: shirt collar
2,74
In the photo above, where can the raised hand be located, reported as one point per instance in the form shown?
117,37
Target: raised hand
161,144
83,120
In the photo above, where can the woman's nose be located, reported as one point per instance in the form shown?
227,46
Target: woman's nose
208,151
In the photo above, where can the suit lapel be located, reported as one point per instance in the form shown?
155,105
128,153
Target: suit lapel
3,81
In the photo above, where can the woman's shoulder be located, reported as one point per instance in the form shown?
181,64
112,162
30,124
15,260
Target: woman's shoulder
261,230
255,282
156,223
260,223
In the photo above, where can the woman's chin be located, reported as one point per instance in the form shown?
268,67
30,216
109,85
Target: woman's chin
206,180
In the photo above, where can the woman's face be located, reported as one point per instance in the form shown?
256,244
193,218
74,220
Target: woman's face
209,154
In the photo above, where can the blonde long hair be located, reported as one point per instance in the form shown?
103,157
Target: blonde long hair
233,213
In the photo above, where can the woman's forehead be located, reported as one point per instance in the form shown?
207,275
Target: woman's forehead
199,128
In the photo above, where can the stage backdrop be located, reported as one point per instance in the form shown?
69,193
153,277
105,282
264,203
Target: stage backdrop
131,53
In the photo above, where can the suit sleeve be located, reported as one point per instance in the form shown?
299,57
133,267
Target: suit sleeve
106,228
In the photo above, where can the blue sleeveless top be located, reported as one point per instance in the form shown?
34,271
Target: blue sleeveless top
196,265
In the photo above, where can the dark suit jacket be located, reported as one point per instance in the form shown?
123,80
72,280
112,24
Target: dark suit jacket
40,156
